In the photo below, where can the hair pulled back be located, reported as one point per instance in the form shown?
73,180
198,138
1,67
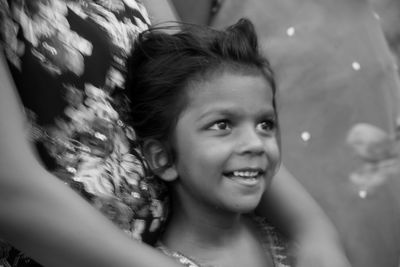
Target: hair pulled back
162,65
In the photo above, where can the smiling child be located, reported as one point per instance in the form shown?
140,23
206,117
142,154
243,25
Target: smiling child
203,107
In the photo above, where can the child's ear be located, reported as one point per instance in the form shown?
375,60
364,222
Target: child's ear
157,157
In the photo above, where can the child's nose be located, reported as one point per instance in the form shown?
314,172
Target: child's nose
251,142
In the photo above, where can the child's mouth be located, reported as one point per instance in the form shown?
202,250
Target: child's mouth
245,177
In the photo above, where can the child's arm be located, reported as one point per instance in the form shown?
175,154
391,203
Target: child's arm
291,209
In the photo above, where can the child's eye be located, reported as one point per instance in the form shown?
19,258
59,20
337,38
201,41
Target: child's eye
267,125
220,125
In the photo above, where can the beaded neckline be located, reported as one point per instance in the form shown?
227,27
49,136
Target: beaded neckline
184,260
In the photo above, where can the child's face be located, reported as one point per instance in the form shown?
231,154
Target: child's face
226,142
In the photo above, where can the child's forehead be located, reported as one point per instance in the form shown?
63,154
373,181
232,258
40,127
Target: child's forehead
223,77
216,75
230,88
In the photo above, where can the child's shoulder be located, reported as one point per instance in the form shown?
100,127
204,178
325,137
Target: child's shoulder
273,241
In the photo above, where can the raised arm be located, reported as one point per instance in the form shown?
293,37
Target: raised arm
293,210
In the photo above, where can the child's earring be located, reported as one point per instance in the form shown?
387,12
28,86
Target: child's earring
157,157
168,174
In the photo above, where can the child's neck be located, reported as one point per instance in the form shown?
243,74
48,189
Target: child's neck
213,239
201,224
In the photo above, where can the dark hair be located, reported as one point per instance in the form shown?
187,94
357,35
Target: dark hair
162,65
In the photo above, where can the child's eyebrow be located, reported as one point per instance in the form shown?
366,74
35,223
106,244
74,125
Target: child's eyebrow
217,111
235,112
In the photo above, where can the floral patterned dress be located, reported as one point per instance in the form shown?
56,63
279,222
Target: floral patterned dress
67,58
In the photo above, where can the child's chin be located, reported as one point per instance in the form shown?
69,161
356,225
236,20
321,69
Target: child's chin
246,206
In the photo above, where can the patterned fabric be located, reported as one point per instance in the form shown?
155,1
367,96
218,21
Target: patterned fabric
67,59
274,244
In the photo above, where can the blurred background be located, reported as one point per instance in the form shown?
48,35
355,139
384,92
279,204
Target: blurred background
336,63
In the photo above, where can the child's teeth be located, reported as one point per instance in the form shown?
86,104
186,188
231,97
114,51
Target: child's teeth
245,173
